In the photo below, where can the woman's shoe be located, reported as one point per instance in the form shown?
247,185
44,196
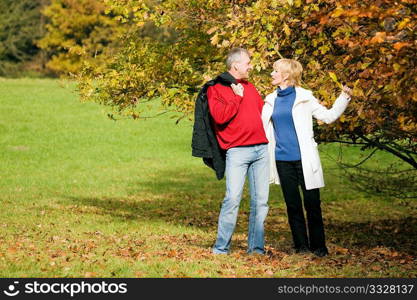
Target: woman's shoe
302,249
321,252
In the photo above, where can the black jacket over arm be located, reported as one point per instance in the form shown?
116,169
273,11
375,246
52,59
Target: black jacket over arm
204,143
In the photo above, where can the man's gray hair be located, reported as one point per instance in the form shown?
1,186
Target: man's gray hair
234,56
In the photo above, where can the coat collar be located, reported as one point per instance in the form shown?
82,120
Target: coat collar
301,95
226,79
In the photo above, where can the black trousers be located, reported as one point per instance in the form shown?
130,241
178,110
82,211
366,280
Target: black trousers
291,177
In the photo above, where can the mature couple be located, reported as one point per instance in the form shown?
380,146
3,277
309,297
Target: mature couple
238,134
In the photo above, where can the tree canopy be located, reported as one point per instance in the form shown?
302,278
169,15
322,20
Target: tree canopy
371,45
79,30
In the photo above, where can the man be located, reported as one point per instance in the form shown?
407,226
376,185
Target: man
235,111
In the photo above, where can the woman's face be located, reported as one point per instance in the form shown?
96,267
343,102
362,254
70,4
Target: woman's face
278,77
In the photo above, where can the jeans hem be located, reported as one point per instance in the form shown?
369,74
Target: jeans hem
215,251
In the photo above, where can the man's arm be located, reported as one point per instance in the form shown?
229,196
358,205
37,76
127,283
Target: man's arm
222,110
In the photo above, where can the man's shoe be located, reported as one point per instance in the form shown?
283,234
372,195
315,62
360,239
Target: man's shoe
256,252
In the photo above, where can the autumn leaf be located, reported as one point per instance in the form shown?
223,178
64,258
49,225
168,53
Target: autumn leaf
287,30
333,77
341,42
338,12
324,20
378,38
397,46
215,39
341,250
211,30
124,252
12,250
403,23
90,274
376,268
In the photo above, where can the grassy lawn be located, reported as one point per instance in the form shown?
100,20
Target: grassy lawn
84,196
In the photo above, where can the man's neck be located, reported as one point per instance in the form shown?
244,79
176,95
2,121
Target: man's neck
283,86
234,74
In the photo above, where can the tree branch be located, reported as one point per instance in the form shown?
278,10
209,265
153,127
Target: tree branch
361,162
377,144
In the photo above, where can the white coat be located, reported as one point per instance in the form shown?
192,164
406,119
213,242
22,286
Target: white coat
305,107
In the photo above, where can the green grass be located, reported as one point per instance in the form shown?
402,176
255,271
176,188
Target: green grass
82,195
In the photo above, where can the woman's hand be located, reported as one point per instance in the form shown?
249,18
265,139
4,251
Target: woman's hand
346,91
237,89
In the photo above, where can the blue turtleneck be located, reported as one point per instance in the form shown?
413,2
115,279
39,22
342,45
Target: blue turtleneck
287,147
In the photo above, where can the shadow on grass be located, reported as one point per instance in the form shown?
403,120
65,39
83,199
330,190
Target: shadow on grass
176,197
397,234
194,199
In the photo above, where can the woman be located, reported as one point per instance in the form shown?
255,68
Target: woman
287,118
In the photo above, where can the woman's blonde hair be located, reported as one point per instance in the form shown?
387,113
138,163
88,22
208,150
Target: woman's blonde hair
290,67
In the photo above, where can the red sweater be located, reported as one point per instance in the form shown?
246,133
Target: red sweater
236,120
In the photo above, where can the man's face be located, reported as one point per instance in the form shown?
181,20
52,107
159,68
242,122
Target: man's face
243,66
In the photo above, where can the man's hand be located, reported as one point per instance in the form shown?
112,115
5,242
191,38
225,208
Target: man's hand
346,91
238,89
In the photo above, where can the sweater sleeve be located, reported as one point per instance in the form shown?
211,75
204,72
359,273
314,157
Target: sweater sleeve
261,104
328,116
260,100
221,109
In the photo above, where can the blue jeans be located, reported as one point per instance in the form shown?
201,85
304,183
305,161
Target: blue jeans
241,161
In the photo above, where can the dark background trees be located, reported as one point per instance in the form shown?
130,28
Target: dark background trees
21,25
